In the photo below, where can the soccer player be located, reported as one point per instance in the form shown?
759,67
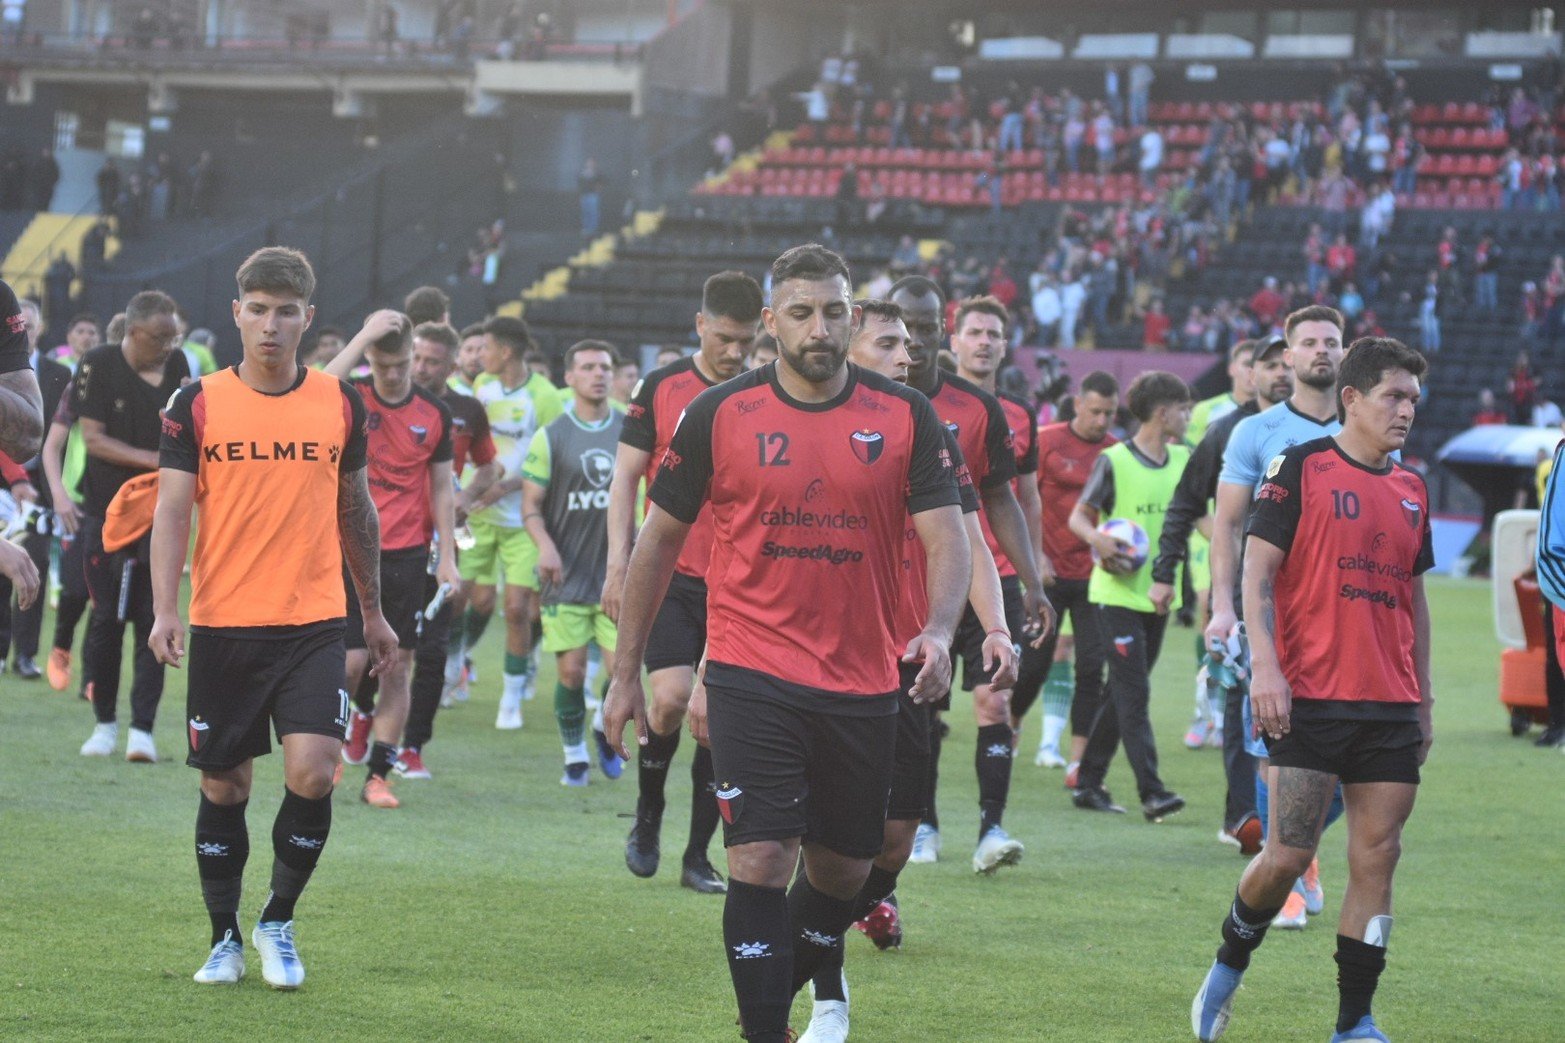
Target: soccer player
21,404
118,396
1273,383
409,436
627,374
880,345
1314,336
469,361
329,342
726,328
1338,542
1066,454
811,467
1134,480
501,546
1241,392
435,347
565,506
274,455
977,420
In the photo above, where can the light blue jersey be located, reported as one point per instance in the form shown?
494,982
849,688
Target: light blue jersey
1256,440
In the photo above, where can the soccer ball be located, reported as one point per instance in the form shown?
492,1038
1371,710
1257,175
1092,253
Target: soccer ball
1131,536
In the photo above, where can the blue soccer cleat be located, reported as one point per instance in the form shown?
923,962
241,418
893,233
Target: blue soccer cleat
1365,1029
612,763
1210,1011
280,964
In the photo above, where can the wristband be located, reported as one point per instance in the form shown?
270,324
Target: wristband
1003,633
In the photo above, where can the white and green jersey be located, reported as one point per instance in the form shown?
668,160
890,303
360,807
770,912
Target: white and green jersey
513,420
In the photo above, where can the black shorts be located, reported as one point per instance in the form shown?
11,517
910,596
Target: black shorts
793,762
404,576
969,642
910,772
1354,751
678,635
239,684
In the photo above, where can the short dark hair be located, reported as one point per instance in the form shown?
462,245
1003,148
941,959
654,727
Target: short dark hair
1368,360
917,286
1152,389
426,304
625,361
148,303
810,261
512,332
881,309
398,340
474,330
277,269
985,305
85,316
582,347
329,331
732,295
1248,346
438,333
1312,313
1100,383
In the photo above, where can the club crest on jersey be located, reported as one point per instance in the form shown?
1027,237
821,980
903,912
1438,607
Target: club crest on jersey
867,445
198,730
730,799
1274,467
1411,512
598,466
374,422
419,432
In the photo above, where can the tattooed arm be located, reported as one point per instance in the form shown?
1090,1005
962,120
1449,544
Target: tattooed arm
1426,688
1270,698
21,415
359,524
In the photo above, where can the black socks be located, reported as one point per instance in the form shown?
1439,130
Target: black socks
1243,931
992,758
878,887
222,848
818,922
759,943
298,837
703,805
1358,972
652,762
382,757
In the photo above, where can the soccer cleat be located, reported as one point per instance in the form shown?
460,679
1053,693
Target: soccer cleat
410,765
59,669
1161,805
1195,737
1365,1029
641,847
1096,798
1314,894
828,1018
102,741
883,925
1049,757
612,763
1214,1003
997,848
1293,917
700,877
1072,774
280,965
1246,836
926,845
139,748
575,775
356,747
377,793
509,719
226,965
26,668
1551,737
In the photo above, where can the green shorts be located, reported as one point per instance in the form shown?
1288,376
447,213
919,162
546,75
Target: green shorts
499,551
575,626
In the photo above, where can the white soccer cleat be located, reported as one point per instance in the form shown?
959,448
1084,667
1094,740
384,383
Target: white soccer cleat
1293,916
102,741
1049,757
139,747
509,719
280,965
926,845
226,965
828,1019
997,848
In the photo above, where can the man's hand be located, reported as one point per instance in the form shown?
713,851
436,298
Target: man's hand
17,566
66,512
381,641
1113,555
613,590
695,711
23,492
934,679
381,323
1162,595
1271,702
999,659
551,570
1217,631
447,573
1046,574
167,640
488,498
626,701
